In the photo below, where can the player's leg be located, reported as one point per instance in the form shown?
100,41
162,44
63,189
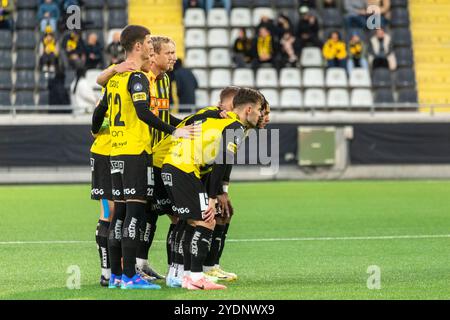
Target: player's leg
134,177
102,191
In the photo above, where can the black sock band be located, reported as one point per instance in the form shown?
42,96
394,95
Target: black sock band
169,243
115,238
186,243
222,243
130,236
216,241
101,237
200,245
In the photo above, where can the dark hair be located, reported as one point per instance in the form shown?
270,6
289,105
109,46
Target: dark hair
132,34
247,95
227,92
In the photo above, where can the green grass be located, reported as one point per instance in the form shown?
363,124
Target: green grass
308,269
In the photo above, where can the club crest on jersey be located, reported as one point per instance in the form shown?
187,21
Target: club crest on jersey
137,87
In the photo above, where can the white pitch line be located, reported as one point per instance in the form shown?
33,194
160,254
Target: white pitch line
429,236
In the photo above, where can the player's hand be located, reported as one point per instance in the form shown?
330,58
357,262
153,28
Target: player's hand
210,212
125,67
223,204
188,132
224,115
95,135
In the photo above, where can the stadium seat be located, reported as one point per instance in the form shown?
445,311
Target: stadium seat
219,78
117,19
214,97
217,17
24,98
359,77
289,4
202,77
26,39
43,81
43,98
399,3
336,78
5,39
194,17
311,57
313,77
94,19
258,13
196,58
407,96
290,78
195,38
5,98
332,18
381,78
26,59
405,78
219,58
218,38
399,18
25,80
314,98
401,37
243,77
262,3
361,98
27,4
338,98
5,80
26,19
404,57
91,77
383,95
70,75
266,78
94,4
115,4
271,96
201,98
291,98
241,17
5,59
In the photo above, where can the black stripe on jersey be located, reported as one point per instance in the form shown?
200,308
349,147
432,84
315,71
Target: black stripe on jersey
162,92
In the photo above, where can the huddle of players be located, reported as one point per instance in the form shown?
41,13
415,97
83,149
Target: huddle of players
146,163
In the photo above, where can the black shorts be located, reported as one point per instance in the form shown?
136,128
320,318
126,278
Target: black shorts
101,186
186,191
158,198
130,176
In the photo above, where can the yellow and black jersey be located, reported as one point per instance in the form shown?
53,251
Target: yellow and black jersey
162,106
100,126
129,135
218,142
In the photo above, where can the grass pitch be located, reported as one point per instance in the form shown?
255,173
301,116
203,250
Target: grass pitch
289,240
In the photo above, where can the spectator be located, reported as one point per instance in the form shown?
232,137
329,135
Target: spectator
381,54
287,44
218,3
308,31
334,51
241,49
58,95
82,94
356,53
267,23
74,48
94,53
308,3
67,3
263,48
329,4
385,10
186,84
48,14
48,51
283,25
356,13
6,11
115,50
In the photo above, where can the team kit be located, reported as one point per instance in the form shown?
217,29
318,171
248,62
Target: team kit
147,163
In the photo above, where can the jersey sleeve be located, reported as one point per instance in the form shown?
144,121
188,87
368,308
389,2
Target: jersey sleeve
99,113
139,88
